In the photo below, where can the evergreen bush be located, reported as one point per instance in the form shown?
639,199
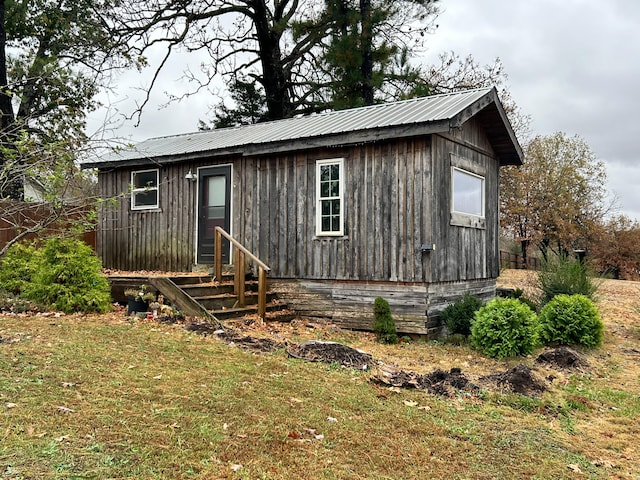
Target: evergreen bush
518,294
65,275
505,327
563,275
384,326
18,266
571,319
459,315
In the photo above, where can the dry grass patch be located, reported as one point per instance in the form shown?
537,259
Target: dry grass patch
101,397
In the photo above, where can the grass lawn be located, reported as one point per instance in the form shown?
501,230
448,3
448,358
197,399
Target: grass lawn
103,397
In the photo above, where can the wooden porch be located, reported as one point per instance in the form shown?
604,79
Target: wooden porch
230,292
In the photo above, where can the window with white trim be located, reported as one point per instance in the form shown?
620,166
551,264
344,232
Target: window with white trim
144,190
329,197
467,193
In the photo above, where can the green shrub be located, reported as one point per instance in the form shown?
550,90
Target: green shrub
384,326
571,319
459,315
65,275
518,294
17,267
505,327
563,275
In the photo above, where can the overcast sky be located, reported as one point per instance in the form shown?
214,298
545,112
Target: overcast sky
573,66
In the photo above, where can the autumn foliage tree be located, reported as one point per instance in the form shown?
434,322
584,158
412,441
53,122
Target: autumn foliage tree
557,200
615,248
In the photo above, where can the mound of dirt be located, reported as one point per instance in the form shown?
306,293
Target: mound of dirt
331,352
201,328
563,358
519,379
254,344
438,382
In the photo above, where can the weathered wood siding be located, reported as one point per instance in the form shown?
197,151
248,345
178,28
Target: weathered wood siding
161,239
387,206
464,252
350,304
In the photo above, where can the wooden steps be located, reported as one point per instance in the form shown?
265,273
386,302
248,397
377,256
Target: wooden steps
199,296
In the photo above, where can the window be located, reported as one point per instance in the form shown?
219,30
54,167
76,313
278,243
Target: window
468,193
144,193
329,197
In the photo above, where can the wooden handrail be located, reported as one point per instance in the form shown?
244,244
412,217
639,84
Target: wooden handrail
239,261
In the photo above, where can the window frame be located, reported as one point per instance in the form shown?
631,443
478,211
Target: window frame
482,179
135,191
339,197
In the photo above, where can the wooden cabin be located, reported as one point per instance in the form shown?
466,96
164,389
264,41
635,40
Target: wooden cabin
398,200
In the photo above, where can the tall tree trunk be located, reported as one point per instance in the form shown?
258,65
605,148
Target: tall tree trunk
11,184
6,109
524,244
367,52
274,77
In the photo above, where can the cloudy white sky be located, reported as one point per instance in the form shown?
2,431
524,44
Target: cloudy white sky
573,65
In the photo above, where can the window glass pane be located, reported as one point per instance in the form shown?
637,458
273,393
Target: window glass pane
145,179
326,224
467,193
324,189
326,208
335,172
335,223
148,198
335,189
216,189
335,207
325,173
215,212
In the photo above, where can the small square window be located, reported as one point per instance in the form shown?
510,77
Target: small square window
144,190
329,197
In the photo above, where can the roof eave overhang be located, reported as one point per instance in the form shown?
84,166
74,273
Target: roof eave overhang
511,155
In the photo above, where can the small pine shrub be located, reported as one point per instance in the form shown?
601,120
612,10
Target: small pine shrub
571,319
384,326
18,266
563,275
505,327
459,315
65,275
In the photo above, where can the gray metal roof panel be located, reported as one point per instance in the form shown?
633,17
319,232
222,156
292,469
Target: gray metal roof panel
406,112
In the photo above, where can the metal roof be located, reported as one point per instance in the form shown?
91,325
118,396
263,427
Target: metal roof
440,112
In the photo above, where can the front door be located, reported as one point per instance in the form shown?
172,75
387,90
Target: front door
214,207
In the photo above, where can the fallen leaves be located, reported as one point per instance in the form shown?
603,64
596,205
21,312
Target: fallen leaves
414,404
63,409
306,435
